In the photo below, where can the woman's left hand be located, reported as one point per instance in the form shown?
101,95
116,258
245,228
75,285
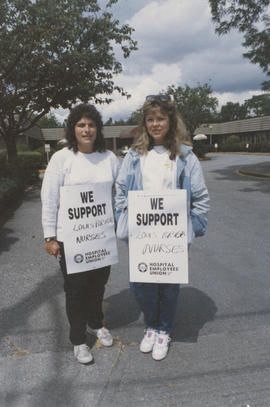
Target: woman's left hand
53,248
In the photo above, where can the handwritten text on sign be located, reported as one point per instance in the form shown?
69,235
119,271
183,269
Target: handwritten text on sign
158,236
88,227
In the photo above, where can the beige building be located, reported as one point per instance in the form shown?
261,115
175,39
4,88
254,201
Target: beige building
255,130
116,137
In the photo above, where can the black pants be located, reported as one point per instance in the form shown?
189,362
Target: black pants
84,295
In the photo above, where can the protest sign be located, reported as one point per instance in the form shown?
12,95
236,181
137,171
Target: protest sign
88,227
158,236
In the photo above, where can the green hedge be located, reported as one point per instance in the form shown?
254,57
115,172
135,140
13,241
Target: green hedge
15,177
200,148
242,147
25,169
9,189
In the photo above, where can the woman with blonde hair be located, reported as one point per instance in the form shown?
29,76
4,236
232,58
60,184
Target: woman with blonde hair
162,158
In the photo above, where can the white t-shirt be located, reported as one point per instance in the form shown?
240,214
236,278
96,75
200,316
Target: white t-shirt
69,168
158,171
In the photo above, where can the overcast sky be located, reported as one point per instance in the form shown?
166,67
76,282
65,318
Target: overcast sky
177,45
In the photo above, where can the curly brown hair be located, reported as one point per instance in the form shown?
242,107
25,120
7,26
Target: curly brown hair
176,135
76,114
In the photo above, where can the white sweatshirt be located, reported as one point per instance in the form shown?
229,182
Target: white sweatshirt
69,168
158,171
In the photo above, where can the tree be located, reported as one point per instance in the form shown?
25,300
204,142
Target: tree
196,105
49,121
258,105
109,122
119,122
135,117
232,111
54,54
250,17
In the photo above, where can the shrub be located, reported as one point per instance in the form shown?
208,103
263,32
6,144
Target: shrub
210,148
259,148
236,147
41,150
25,170
35,143
242,147
200,148
23,147
9,189
233,140
15,177
3,160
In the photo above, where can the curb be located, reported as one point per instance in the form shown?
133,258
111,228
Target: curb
253,174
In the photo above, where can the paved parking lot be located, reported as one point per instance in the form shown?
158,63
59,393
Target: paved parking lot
219,356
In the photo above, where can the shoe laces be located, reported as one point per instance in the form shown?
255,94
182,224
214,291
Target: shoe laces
163,338
149,332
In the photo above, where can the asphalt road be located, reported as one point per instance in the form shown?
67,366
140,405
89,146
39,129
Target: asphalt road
219,356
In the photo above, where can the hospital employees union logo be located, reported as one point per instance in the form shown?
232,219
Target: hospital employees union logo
142,267
78,258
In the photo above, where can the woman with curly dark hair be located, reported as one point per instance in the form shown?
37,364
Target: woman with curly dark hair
84,161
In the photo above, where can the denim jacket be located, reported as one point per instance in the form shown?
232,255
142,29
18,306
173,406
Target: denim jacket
189,177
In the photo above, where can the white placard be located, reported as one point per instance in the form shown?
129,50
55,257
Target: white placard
47,148
88,227
158,250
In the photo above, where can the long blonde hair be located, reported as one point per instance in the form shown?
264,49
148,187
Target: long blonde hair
176,135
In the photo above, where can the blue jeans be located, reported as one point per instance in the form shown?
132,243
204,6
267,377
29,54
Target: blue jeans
158,303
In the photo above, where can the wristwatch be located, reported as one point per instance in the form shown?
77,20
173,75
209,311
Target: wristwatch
49,239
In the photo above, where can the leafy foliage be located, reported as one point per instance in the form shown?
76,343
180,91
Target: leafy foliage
8,191
232,111
196,105
26,168
54,53
258,105
49,121
250,17
233,139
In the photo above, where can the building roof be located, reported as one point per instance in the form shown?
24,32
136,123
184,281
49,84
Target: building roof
34,132
254,124
56,134
117,131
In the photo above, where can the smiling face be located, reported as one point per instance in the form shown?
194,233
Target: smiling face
157,124
85,132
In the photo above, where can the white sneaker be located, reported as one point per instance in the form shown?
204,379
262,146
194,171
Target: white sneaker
82,353
103,335
161,346
148,340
